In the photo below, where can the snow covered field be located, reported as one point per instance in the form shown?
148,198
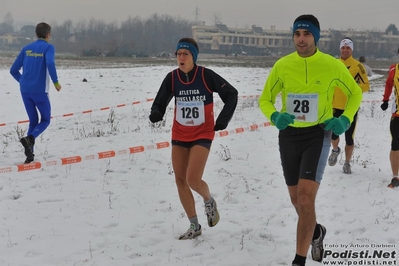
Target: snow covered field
96,203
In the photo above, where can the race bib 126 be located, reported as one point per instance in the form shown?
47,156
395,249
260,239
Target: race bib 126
190,113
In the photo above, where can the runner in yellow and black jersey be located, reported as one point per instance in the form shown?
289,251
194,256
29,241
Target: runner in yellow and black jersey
359,73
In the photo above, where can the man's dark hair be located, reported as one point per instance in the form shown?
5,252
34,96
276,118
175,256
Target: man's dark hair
308,17
190,40
42,29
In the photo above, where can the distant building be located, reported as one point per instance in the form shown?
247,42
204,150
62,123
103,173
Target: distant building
10,41
258,41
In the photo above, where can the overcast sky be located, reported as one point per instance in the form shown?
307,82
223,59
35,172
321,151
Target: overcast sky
337,14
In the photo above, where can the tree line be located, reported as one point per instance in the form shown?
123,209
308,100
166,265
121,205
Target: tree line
94,37
132,37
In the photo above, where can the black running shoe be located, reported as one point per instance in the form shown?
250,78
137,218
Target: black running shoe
26,142
29,160
394,182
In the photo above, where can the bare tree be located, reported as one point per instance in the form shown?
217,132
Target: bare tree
134,36
7,25
8,19
392,30
217,18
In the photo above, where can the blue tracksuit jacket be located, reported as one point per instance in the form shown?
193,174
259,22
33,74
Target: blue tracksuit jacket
37,63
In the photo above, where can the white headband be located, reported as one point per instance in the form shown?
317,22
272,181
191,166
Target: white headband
346,42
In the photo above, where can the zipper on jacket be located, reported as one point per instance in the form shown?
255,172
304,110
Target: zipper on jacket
306,69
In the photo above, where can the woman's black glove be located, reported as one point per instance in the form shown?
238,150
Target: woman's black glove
155,116
219,126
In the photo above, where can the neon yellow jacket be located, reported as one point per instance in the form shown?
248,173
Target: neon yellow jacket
359,73
307,87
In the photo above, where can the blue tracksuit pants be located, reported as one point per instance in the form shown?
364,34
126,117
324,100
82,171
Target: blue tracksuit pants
36,103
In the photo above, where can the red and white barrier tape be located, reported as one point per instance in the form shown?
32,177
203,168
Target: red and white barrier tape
80,113
121,105
78,158
112,153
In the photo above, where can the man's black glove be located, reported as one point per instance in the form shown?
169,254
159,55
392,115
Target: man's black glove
384,105
155,116
219,126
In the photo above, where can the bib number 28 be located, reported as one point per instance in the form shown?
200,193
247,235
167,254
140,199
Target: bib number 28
303,106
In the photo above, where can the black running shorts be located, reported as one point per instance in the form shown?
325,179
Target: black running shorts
394,128
304,153
207,143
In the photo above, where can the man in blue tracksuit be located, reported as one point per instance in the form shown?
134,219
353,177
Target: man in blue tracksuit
38,66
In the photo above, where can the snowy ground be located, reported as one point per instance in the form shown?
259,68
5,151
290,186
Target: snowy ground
125,210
